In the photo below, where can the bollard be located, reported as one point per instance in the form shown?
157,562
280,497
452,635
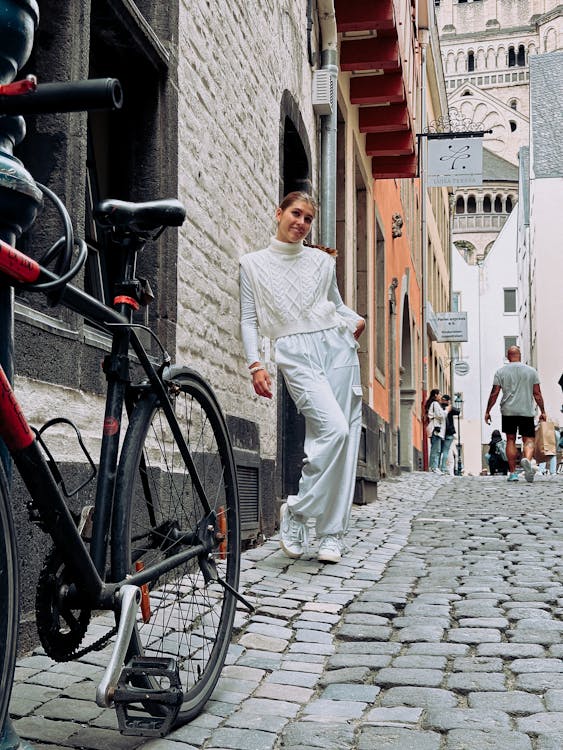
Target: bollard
19,201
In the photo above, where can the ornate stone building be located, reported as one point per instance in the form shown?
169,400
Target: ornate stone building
486,46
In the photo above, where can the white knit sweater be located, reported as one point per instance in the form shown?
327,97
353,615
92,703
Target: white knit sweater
289,288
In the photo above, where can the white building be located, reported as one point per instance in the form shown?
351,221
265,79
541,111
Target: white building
540,251
492,317
491,50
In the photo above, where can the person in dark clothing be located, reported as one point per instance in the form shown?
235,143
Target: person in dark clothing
448,439
497,454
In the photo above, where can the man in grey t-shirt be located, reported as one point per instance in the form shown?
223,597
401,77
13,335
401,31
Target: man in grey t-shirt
520,386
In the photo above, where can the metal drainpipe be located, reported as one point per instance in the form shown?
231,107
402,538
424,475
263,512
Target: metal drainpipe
423,39
329,61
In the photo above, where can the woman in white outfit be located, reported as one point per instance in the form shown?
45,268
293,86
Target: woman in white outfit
435,428
289,295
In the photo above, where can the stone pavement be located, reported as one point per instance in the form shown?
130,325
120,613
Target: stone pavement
440,630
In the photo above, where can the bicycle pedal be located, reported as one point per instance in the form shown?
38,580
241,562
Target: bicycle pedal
143,710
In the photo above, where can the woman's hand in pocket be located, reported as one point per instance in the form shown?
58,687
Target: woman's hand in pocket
359,329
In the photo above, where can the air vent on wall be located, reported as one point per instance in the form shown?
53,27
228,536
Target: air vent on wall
323,92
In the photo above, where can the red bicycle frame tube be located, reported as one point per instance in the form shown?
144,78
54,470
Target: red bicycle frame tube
14,429
16,265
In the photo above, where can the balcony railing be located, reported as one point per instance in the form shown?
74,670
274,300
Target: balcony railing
479,222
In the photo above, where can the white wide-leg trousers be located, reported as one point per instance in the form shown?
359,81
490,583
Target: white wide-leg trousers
322,374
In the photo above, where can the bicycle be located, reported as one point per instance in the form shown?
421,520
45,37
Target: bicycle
160,547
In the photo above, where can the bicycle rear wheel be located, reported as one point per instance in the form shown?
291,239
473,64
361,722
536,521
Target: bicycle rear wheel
9,598
191,616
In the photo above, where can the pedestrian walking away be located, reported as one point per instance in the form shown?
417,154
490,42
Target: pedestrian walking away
290,296
520,386
449,434
435,428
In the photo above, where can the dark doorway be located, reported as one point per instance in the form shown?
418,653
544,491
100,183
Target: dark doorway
294,175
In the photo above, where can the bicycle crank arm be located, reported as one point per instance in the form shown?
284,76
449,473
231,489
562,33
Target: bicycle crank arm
236,594
130,599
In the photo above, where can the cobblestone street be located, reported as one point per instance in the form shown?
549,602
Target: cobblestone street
439,630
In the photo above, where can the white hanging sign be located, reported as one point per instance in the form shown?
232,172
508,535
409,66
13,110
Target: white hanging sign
452,326
454,162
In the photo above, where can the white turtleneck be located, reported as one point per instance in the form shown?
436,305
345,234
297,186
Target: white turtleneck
289,288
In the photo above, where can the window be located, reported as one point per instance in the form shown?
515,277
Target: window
498,205
139,62
471,205
513,104
508,205
380,300
511,57
487,206
510,300
521,59
460,205
470,61
512,126
510,341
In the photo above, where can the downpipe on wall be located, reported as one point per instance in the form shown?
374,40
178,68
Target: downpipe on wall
329,62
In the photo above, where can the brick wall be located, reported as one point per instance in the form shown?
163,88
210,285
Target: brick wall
235,60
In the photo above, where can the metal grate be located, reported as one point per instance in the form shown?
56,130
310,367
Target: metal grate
248,486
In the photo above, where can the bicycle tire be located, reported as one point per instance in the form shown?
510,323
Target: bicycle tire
9,598
190,620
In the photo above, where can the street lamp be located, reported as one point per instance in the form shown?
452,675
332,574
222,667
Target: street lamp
458,404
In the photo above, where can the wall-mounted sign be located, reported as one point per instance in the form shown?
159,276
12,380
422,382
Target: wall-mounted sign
454,162
461,367
452,326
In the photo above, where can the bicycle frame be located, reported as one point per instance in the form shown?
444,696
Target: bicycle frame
28,457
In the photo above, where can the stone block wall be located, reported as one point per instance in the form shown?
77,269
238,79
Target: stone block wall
235,62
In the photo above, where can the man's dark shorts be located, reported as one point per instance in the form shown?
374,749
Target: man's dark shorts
524,425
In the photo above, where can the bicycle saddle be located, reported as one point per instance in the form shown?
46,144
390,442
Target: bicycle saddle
140,217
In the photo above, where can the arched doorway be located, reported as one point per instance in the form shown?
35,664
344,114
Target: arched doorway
407,391
295,160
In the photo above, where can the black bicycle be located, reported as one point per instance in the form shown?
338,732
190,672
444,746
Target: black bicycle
160,547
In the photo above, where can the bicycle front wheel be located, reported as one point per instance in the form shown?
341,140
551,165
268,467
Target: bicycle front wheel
9,598
191,615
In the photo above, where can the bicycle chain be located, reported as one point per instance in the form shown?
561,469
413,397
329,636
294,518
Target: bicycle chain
96,646
61,631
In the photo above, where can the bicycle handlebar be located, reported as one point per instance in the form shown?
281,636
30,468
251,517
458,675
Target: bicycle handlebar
70,96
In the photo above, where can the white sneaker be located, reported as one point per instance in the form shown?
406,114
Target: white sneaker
436,471
530,468
330,549
293,533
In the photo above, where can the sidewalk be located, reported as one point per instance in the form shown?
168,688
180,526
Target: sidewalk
440,630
